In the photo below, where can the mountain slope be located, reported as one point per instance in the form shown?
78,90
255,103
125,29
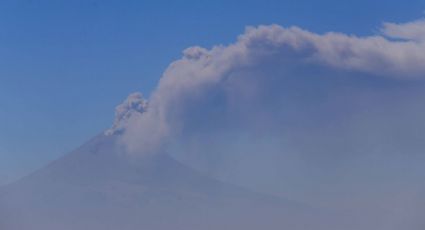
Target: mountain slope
98,186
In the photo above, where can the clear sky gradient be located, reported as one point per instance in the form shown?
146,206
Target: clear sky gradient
65,65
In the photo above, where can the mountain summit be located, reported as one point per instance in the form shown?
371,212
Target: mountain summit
100,187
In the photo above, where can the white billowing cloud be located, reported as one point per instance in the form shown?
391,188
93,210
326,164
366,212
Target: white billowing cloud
133,106
330,118
254,66
374,54
414,31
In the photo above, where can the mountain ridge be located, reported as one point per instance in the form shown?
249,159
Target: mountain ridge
98,186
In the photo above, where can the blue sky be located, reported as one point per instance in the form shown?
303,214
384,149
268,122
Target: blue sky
65,65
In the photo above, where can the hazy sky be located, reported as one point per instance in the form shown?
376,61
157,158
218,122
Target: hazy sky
65,65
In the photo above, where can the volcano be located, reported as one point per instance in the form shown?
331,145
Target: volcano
99,186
